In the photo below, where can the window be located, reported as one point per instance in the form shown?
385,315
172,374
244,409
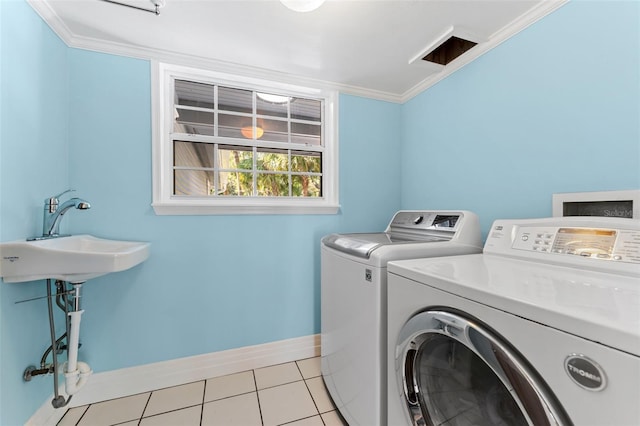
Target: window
227,145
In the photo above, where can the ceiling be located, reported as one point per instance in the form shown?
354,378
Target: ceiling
357,46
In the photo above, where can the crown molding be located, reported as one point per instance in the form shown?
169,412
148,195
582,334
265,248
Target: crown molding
52,19
45,11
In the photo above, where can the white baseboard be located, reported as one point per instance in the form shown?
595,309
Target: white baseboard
144,378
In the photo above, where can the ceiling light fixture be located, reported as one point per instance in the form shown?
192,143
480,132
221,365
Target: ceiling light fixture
302,5
273,99
249,132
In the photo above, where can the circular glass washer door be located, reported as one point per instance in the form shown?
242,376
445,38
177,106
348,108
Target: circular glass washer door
455,372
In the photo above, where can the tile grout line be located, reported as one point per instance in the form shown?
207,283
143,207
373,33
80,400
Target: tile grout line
334,410
83,414
304,380
255,384
160,414
204,394
304,418
307,386
145,408
314,401
310,393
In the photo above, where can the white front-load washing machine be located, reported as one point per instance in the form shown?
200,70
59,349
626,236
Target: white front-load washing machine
354,295
542,328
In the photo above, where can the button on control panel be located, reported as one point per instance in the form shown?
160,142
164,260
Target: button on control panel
542,241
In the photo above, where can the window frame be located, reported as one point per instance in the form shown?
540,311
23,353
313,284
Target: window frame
162,106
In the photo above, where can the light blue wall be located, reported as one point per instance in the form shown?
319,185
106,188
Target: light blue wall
212,282
33,165
554,109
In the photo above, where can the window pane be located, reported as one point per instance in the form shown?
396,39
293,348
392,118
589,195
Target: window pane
272,105
235,184
231,126
235,157
306,109
189,93
272,159
193,182
273,185
306,162
192,154
236,100
274,130
231,140
306,186
306,133
193,122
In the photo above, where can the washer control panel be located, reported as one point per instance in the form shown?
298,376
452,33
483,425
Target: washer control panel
426,220
433,224
615,240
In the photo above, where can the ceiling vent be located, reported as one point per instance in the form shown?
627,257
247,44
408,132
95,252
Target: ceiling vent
448,46
449,50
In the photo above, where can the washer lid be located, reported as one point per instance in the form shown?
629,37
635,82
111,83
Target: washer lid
412,226
362,245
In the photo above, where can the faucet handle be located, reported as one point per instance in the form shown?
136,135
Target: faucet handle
51,203
62,193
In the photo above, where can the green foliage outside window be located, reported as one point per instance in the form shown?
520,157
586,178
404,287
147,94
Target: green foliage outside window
272,178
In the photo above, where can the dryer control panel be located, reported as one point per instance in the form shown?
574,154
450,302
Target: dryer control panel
569,240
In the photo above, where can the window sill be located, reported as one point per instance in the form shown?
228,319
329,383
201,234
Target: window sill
200,209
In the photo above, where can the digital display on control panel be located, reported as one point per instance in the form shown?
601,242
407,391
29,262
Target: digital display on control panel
445,221
585,241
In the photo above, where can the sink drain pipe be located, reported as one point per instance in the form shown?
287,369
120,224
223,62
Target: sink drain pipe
58,400
76,373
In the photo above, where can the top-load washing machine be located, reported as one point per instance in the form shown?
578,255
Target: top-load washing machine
354,294
543,328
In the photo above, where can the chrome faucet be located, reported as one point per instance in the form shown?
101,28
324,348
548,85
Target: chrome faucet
53,213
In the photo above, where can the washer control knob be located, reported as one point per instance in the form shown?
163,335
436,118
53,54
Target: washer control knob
418,220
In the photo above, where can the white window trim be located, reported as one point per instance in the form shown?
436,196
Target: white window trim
165,203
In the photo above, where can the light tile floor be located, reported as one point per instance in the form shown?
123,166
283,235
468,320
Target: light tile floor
292,394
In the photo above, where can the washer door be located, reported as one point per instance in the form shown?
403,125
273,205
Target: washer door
454,372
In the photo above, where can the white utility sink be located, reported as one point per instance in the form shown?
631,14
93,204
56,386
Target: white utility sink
74,258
